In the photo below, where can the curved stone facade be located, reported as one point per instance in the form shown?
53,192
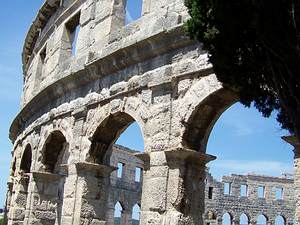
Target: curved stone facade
87,77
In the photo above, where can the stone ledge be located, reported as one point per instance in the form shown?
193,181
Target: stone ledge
102,170
46,176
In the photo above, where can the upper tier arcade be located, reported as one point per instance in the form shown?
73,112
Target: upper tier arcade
89,39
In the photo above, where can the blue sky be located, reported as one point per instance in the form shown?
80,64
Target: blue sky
242,140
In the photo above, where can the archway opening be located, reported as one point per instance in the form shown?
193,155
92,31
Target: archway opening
136,210
54,152
244,219
118,213
54,155
280,220
262,220
247,146
26,160
116,143
226,219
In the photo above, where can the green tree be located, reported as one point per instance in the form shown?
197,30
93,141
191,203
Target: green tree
253,46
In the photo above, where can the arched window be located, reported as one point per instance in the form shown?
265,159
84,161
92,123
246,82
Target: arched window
26,160
226,219
261,220
54,152
280,220
136,210
118,213
244,219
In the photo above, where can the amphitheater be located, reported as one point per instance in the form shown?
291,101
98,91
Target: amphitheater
89,74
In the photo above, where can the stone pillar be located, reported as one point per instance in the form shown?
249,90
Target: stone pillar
44,198
9,195
93,186
126,217
118,15
235,221
173,187
293,141
219,220
252,222
17,210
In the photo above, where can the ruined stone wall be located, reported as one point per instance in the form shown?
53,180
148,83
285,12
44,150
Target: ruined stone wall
249,202
217,203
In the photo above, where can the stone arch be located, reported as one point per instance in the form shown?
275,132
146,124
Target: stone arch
227,218
54,151
244,219
136,210
105,136
280,220
118,209
262,219
26,159
202,119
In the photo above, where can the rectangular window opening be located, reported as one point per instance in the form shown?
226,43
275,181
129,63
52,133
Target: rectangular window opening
138,174
210,192
261,192
244,190
43,55
227,187
73,29
120,170
279,193
133,10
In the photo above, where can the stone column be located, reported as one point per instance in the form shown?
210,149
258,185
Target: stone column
219,220
118,15
173,187
17,211
126,217
44,198
235,221
9,193
293,141
93,186
252,222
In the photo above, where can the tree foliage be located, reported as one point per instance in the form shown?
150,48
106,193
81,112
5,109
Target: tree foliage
253,46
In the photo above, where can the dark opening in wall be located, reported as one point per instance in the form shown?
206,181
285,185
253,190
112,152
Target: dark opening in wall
53,150
43,55
210,192
26,160
73,28
133,10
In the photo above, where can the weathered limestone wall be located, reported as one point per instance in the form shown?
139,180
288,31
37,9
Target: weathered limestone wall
252,205
79,96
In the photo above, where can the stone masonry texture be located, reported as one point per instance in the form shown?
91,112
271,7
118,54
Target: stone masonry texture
87,77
